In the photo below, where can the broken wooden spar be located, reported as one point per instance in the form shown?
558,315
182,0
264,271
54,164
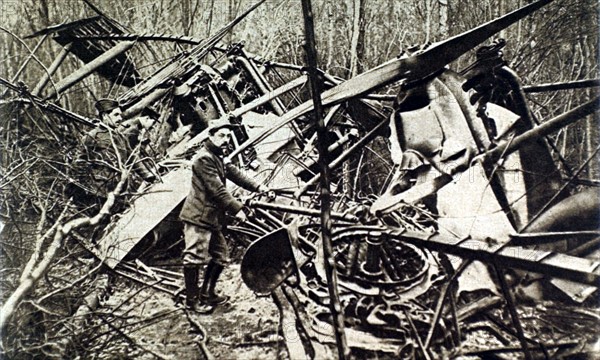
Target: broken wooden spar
52,69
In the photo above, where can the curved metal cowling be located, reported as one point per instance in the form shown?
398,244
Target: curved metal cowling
268,262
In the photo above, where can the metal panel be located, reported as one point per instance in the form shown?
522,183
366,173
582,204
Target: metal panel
144,214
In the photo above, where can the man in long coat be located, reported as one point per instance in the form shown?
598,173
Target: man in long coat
203,214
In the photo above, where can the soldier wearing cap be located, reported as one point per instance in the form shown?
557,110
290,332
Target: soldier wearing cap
109,111
130,133
203,214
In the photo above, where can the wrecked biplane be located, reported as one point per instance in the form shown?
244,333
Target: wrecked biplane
467,194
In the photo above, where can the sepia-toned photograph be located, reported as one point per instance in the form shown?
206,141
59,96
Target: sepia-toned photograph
299,179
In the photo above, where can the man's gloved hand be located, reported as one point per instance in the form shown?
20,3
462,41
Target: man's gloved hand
241,215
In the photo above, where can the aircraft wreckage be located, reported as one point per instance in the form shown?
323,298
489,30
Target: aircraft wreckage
471,198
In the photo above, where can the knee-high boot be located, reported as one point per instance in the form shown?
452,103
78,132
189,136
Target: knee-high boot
208,294
190,275
206,280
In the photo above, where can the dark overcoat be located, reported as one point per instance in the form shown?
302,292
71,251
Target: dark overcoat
209,199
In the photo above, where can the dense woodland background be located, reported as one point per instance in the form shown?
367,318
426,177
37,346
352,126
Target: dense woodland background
558,43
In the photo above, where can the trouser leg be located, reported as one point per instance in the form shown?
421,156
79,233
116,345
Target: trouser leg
197,241
194,255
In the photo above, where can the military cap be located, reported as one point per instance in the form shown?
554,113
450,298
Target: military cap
106,105
217,124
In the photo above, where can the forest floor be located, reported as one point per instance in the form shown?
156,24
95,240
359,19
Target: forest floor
155,326
152,325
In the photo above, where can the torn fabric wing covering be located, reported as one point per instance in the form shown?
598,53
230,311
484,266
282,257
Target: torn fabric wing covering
121,69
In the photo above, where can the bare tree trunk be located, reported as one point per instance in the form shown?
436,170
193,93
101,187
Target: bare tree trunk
587,64
230,17
186,21
330,34
44,14
443,22
519,26
500,7
428,21
210,16
358,35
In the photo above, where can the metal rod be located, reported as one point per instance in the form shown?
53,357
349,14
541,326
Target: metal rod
453,307
299,210
544,129
524,239
380,97
556,234
437,315
315,84
277,103
415,333
513,312
260,83
143,37
577,84
146,101
48,105
265,88
585,248
270,95
285,66
353,133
